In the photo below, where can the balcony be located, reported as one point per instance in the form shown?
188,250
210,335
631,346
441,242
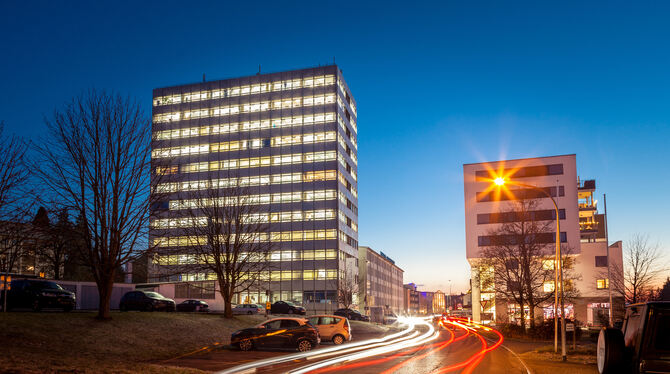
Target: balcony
586,206
586,185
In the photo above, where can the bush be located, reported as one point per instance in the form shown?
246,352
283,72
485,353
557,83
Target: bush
511,330
545,329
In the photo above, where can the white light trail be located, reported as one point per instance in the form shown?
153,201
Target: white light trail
364,344
430,335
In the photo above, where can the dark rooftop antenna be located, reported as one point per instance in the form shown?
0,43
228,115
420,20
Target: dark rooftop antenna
259,69
203,77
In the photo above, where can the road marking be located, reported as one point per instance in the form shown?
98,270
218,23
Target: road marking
515,355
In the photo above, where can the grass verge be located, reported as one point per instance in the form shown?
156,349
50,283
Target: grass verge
77,343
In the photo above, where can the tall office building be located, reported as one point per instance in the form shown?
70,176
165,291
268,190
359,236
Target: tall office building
290,137
582,230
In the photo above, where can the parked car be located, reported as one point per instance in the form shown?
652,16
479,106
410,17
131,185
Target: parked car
641,346
248,309
278,333
286,307
333,328
193,306
146,301
351,314
37,294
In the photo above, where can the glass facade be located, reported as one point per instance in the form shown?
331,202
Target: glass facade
290,138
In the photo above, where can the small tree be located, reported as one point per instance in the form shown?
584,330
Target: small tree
663,293
228,235
348,284
643,264
96,162
522,260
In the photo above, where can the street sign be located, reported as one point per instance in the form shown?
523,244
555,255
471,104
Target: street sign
268,306
569,327
2,282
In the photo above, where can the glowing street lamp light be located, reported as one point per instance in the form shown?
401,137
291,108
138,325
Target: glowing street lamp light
558,267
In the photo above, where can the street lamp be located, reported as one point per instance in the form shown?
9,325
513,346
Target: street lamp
558,267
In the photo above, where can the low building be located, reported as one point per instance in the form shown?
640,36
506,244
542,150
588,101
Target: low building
426,302
410,299
583,232
439,302
380,283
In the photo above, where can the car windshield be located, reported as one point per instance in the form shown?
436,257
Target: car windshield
47,286
289,303
154,295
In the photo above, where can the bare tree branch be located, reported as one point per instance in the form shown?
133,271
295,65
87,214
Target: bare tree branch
227,234
644,265
96,162
521,261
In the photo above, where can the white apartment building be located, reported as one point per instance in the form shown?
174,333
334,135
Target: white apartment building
582,230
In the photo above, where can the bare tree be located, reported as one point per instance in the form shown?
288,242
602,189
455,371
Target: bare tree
348,285
13,178
13,175
55,240
228,235
96,161
521,257
643,265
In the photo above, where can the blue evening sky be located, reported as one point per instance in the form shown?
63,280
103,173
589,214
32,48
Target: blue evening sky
437,85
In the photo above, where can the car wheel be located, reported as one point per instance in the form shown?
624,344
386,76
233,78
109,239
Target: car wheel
338,339
289,311
304,345
67,308
245,345
149,308
123,308
249,313
36,306
610,351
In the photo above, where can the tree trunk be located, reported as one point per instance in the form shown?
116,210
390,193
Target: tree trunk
522,313
227,295
57,272
105,286
228,309
531,314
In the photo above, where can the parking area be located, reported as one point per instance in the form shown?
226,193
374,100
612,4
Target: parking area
224,357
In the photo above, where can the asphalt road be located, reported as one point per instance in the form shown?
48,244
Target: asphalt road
458,348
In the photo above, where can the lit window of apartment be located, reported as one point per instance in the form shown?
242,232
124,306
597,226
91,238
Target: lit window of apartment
602,284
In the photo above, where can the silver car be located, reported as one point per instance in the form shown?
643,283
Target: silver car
248,309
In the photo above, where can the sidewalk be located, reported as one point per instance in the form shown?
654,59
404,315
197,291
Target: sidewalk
541,359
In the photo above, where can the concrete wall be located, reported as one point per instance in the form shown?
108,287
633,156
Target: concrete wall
87,293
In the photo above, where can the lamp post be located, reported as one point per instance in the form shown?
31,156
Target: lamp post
449,306
558,266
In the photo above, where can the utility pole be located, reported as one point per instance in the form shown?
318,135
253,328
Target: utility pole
607,244
560,261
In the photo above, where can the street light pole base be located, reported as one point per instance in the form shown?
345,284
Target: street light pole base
565,358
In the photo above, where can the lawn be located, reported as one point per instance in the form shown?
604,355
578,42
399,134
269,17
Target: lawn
130,342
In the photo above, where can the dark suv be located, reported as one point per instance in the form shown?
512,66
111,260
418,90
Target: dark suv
146,301
351,314
642,345
37,294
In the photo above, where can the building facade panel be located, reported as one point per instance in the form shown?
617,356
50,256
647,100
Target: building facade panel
582,231
290,138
